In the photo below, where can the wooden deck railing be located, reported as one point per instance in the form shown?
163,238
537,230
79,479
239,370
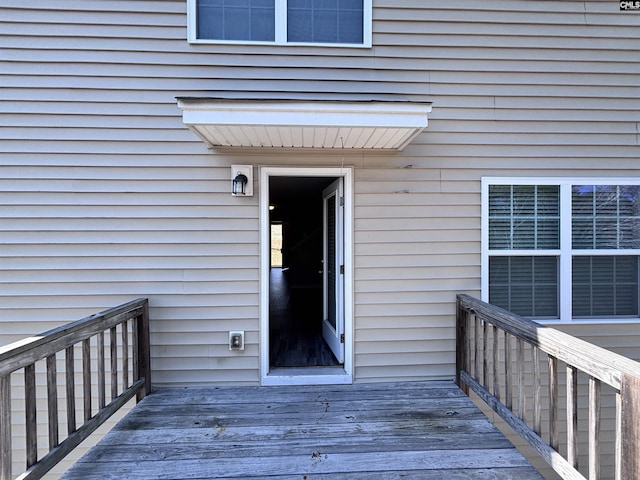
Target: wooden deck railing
507,360
127,327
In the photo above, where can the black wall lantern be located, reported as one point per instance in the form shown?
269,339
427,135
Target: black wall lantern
240,184
241,180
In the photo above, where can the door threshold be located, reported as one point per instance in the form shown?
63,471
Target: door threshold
307,376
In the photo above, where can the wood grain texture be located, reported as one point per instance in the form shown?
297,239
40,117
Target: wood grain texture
417,430
630,458
601,365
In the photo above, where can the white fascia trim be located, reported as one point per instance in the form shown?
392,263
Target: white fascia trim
304,124
304,114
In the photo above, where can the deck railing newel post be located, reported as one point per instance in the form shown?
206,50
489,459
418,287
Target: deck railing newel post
595,389
629,414
460,313
553,402
144,351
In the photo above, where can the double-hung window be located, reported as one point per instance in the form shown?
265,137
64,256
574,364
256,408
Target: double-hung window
281,22
562,249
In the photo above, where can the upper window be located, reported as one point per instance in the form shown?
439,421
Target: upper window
281,22
562,249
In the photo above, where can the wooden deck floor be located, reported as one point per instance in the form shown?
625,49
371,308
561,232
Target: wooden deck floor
383,431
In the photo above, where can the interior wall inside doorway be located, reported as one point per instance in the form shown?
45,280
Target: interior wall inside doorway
295,294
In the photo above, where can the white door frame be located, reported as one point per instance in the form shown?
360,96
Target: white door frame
312,375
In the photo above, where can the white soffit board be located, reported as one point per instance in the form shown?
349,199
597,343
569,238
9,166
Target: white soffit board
305,124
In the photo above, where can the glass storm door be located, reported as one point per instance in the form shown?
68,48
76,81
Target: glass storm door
333,268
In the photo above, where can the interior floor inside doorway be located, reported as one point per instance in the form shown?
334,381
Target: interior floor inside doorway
295,324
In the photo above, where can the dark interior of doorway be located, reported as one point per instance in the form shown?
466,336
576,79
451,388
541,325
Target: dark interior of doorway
295,289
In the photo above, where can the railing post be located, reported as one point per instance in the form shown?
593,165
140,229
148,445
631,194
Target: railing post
144,352
461,345
25,354
5,427
630,412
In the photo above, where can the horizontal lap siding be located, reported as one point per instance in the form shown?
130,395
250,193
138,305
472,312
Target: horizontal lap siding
408,267
106,196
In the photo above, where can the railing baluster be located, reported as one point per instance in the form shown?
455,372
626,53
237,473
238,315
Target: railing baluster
508,391
71,389
572,416
553,403
594,428
5,428
86,378
52,401
485,360
537,385
125,356
521,380
102,397
496,363
113,348
31,424
476,348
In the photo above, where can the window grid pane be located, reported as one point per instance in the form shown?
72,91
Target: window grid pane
325,21
524,217
525,285
605,217
251,20
605,286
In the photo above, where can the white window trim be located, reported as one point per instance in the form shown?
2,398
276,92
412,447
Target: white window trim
565,251
281,29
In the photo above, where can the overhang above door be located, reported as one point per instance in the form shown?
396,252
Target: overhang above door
304,124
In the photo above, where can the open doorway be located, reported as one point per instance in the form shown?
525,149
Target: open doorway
301,287
309,298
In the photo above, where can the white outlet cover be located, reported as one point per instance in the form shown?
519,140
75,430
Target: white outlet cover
236,334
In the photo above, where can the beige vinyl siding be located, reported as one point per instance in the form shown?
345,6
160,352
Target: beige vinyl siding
105,196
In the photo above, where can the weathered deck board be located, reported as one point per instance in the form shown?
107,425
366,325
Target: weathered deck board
411,430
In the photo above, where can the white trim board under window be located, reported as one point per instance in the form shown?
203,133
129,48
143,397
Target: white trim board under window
276,22
572,241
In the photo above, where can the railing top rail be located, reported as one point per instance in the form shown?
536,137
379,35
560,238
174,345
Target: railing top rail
597,362
29,350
